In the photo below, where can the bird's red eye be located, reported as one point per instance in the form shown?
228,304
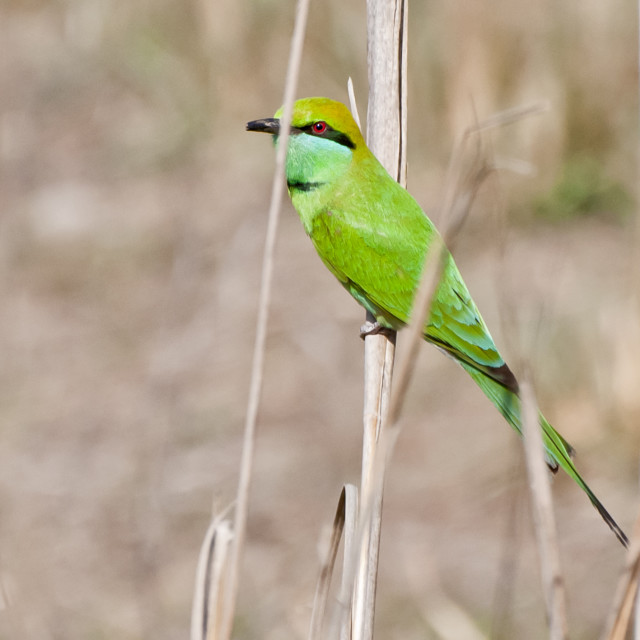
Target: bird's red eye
319,127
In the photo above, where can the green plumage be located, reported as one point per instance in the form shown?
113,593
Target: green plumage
374,237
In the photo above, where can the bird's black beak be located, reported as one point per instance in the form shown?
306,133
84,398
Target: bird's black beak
266,125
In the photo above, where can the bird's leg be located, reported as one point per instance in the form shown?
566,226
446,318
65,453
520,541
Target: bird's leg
374,328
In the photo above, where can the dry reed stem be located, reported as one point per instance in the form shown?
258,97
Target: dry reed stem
257,370
542,504
386,137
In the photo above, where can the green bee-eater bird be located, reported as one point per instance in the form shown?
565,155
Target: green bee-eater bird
374,237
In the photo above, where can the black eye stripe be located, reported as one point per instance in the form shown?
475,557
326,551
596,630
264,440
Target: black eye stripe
331,134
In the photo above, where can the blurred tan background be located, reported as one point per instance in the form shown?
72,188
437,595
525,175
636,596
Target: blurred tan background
133,211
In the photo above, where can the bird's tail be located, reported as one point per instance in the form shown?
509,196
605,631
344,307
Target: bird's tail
558,451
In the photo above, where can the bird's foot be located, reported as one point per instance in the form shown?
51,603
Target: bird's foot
374,328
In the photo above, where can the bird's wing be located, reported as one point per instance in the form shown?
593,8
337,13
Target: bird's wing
381,266
376,265
456,325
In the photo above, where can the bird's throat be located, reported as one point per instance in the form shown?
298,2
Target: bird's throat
314,162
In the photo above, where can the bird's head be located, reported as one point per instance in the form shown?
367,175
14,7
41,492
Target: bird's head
322,141
318,117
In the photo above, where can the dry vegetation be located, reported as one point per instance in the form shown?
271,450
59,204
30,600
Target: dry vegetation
133,216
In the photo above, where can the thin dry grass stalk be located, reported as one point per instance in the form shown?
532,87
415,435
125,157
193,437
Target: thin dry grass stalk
545,527
222,612
626,592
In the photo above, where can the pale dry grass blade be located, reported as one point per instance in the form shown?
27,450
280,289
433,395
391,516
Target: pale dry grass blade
542,504
210,575
353,105
257,371
626,592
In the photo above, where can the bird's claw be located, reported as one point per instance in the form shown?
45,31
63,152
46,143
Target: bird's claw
374,328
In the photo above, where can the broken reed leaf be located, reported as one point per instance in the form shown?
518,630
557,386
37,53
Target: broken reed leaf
343,522
210,580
